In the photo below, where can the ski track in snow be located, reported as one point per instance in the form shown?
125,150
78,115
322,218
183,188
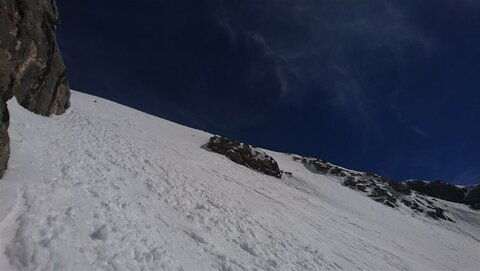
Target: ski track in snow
105,187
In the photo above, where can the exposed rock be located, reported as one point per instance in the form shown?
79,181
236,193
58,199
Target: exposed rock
438,213
407,202
390,204
31,67
472,197
336,171
245,154
448,192
321,166
381,189
389,192
382,195
324,167
361,187
350,182
4,147
438,189
416,207
401,188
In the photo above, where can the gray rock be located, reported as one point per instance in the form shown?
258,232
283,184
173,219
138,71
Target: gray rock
245,154
438,189
4,148
472,197
31,66
448,192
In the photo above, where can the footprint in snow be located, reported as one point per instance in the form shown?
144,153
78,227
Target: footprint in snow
100,234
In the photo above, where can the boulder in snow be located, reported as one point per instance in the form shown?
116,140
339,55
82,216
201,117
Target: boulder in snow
245,154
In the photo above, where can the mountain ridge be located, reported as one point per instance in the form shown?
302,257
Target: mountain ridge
380,188
120,189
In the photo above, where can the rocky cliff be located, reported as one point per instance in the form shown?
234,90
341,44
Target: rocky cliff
31,66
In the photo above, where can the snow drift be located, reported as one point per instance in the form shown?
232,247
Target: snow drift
106,187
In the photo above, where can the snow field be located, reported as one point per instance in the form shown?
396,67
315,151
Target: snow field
106,187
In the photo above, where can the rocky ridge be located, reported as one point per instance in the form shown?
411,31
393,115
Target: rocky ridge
381,189
419,197
31,66
469,195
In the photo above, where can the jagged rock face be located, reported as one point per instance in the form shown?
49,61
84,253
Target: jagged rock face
245,154
31,66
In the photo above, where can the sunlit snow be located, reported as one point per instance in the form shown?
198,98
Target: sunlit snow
106,187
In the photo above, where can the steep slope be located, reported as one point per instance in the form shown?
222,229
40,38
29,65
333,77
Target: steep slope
106,187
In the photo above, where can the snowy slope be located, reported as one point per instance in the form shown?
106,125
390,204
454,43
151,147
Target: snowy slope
106,187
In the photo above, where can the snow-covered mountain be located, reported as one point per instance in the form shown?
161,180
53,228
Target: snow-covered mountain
106,187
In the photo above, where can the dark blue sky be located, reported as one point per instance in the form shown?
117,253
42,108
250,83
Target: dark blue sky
386,86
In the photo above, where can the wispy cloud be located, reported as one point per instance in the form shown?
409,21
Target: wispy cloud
281,66
349,97
282,78
224,22
420,132
339,42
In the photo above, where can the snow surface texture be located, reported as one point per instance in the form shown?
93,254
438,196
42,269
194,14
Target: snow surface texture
106,187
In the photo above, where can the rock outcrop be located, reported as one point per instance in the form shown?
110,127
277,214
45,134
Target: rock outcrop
472,197
390,192
442,190
383,190
245,154
438,189
31,66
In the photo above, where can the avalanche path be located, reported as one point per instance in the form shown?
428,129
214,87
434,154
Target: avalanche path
106,187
